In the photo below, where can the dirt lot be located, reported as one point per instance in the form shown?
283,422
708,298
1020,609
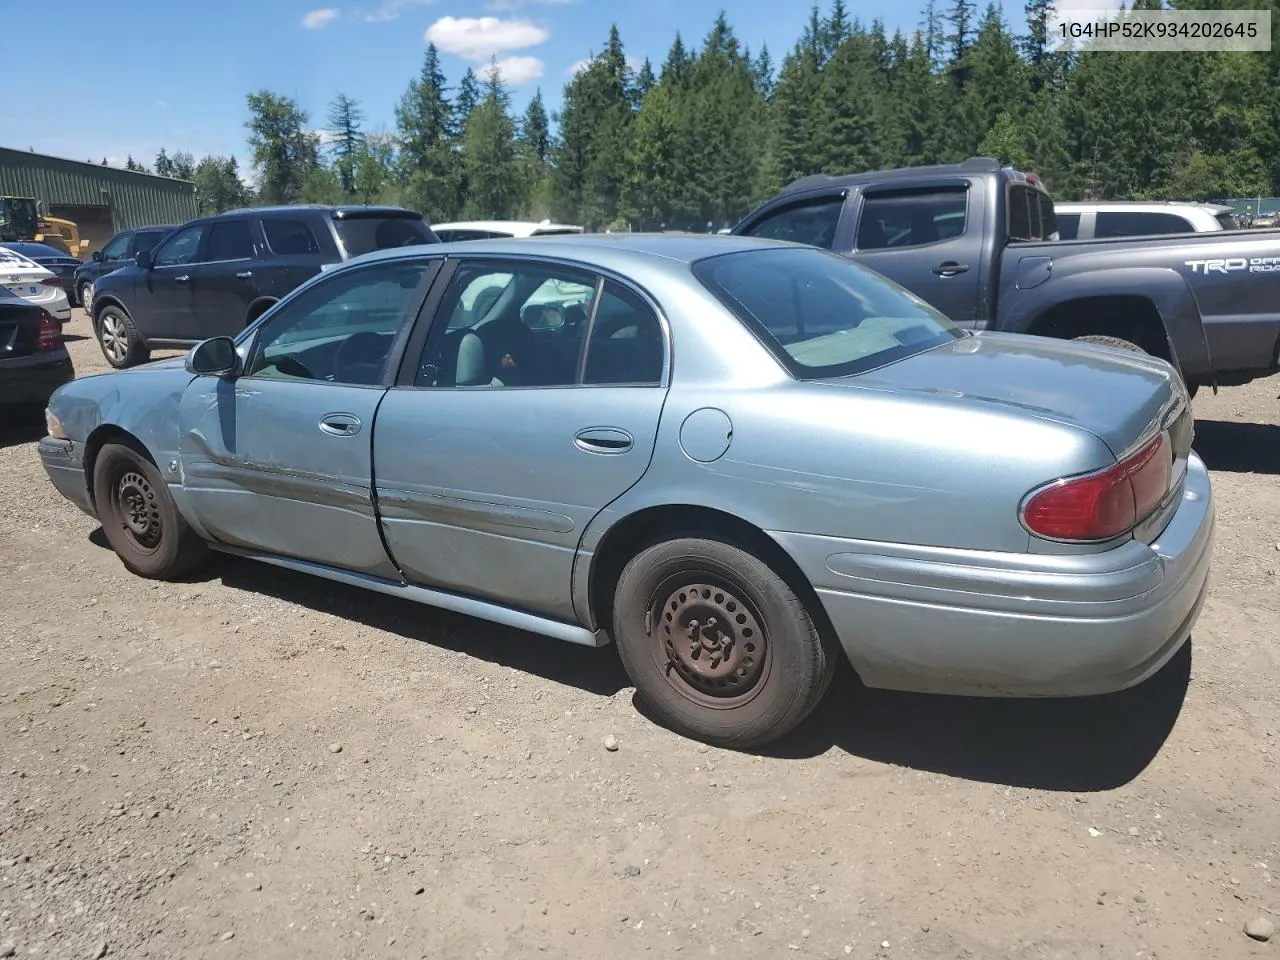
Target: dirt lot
261,765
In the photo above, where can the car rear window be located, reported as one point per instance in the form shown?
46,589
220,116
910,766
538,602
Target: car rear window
365,234
820,314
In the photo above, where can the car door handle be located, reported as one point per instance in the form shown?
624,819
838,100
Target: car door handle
950,268
182,279
603,440
244,274
340,424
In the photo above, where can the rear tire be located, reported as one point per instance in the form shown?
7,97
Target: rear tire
121,343
140,519
717,644
1122,344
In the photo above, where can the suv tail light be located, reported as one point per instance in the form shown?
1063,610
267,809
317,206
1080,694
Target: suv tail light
1099,506
52,282
49,336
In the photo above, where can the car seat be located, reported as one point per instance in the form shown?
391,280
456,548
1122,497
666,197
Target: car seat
361,358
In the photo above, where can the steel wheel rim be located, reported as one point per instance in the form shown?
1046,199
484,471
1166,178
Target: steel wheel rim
138,510
709,640
114,338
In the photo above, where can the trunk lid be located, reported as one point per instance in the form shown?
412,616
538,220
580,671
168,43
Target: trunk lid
1117,396
1125,399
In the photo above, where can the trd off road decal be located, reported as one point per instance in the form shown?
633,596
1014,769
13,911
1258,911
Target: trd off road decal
1235,265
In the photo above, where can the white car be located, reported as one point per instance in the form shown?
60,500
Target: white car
30,281
498,229
1089,220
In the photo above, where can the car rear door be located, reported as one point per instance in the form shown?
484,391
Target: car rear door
927,237
501,440
278,460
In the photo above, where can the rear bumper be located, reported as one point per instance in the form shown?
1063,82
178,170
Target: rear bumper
28,384
63,461
999,624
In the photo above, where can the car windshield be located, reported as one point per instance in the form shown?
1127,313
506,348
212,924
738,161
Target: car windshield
365,234
820,314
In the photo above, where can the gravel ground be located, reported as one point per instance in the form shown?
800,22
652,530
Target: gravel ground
263,765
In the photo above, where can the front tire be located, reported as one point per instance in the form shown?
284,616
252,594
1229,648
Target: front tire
717,644
86,298
121,343
140,519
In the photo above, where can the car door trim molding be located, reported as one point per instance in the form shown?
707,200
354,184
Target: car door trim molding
446,508
494,613
316,488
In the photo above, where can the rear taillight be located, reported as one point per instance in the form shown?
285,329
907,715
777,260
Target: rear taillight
1099,506
51,282
50,334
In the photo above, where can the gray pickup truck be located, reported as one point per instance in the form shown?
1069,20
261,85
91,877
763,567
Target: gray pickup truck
979,241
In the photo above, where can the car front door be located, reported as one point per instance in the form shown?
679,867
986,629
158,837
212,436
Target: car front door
223,283
929,240
278,459
163,304
501,440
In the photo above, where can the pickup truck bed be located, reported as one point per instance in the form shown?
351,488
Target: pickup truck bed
978,240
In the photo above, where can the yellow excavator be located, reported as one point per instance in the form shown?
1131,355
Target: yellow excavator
22,219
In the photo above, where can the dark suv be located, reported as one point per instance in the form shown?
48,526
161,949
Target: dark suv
216,275
120,250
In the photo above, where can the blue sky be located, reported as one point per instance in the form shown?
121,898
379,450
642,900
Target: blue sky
173,73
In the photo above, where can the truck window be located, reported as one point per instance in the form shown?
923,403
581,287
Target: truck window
1135,223
1068,226
1227,220
912,218
811,222
1031,216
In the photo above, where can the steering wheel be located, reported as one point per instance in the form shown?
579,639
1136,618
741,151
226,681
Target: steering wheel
291,366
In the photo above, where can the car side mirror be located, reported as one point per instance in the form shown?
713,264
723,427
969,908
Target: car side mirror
143,259
215,357
97,256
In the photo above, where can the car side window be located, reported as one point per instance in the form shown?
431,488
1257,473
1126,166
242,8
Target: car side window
290,238
147,239
342,330
117,248
811,222
626,343
229,240
897,219
182,247
509,325
1068,226
1136,223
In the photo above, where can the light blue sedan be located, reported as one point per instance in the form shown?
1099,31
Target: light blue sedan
733,457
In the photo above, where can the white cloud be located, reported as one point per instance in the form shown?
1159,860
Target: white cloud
575,68
391,10
479,38
162,104
513,70
507,6
320,18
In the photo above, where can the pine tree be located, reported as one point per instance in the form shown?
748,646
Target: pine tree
285,153
346,138
164,166
489,154
424,122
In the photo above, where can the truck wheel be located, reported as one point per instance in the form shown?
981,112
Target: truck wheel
1132,347
140,519
121,343
717,644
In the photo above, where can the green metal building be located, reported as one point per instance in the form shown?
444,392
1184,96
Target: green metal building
99,200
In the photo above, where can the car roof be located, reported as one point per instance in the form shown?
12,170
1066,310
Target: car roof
819,181
603,250
153,226
339,211
1136,204
29,248
515,227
